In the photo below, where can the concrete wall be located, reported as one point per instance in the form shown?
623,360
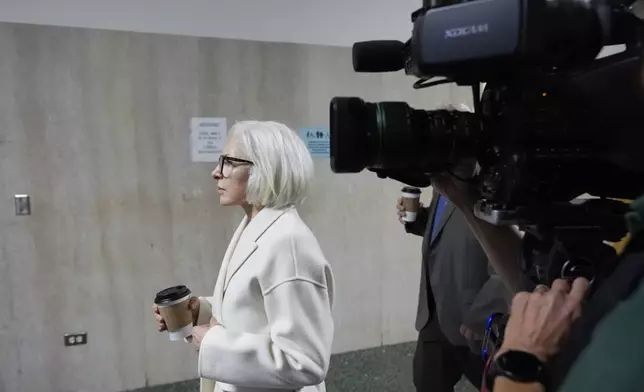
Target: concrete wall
94,126
328,22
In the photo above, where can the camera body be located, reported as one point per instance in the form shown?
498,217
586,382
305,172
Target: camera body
552,123
472,41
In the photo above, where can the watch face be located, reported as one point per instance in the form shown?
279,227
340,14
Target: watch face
521,365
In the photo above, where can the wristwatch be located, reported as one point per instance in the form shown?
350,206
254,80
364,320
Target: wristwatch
519,366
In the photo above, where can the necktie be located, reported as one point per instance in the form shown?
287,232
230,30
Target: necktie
440,208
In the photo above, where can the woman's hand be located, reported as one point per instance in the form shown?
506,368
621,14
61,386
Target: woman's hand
199,332
193,305
540,320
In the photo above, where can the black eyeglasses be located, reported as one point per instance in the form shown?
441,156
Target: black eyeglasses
227,164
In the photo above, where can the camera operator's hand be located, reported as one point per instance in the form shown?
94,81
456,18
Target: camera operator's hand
459,192
401,210
540,320
501,244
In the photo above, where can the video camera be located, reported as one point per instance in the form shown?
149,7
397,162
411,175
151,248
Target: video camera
553,122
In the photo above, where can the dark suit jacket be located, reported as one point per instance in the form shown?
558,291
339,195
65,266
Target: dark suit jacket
462,289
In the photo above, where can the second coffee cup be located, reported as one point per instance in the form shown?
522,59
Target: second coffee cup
173,307
411,203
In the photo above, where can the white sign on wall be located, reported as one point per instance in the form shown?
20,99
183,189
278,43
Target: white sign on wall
207,138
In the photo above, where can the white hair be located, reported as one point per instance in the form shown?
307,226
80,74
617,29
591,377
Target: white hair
282,168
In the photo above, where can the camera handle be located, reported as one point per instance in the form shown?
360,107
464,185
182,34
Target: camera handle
564,240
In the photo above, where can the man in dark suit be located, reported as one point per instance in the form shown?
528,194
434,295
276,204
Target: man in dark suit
458,292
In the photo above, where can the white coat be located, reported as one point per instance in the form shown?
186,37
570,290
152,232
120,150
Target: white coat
273,299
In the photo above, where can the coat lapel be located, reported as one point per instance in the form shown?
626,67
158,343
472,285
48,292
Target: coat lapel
447,213
248,240
219,287
242,245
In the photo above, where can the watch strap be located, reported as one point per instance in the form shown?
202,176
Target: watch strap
518,366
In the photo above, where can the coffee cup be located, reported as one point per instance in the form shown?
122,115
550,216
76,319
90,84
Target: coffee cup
411,203
173,307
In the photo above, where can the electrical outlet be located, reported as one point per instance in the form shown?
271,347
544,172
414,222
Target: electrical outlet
75,339
22,204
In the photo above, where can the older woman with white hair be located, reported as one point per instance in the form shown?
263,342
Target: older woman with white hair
268,325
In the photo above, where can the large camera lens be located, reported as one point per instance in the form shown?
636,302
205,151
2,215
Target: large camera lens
369,135
393,136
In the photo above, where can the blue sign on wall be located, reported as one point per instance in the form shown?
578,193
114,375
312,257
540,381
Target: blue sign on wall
317,140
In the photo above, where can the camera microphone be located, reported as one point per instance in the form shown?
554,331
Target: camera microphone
378,56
